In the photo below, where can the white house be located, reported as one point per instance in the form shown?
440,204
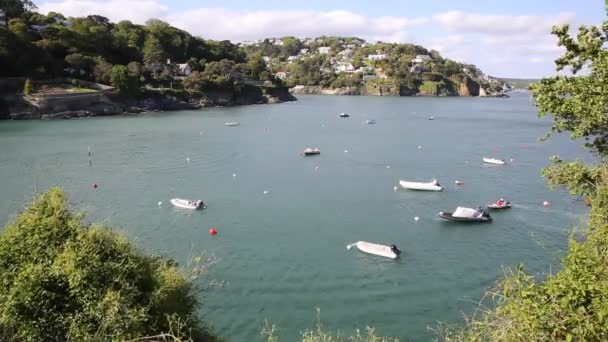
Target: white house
292,59
377,57
266,59
345,67
303,51
184,69
324,49
421,59
346,53
281,75
365,69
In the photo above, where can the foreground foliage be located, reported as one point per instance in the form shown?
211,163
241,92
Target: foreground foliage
62,279
571,305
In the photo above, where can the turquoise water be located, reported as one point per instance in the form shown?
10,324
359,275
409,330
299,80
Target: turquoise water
283,254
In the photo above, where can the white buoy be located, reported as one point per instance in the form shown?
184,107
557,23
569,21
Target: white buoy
395,188
416,218
345,151
419,147
511,160
388,166
266,192
160,203
187,160
233,175
546,203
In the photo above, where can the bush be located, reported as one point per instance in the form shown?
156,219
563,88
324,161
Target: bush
27,89
63,279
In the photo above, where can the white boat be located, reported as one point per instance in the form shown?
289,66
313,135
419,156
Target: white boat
431,186
232,124
344,115
373,248
494,161
311,151
187,204
370,122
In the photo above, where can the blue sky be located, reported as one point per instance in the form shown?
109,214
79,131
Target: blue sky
503,38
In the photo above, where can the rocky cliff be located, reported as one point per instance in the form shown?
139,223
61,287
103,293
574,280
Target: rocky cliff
86,105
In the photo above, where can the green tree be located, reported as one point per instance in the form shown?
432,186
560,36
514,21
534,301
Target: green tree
16,8
27,88
64,279
153,52
571,305
102,71
256,64
124,81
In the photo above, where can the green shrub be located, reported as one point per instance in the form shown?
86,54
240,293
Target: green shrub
62,279
27,89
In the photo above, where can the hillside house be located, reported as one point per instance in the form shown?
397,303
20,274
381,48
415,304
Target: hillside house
377,57
266,59
324,50
346,53
183,69
303,51
421,59
282,75
345,67
365,69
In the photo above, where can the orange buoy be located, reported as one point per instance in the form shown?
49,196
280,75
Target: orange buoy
212,231
94,185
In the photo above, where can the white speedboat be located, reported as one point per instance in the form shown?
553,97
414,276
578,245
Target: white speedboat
462,214
311,151
232,124
430,186
187,204
494,161
373,248
344,115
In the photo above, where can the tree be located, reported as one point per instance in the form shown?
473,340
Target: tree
64,279
122,79
102,71
16,8
76,61
27,88
195,81
570,305
256,64
153,52
135,69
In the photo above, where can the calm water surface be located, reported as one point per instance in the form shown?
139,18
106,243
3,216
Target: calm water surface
283,254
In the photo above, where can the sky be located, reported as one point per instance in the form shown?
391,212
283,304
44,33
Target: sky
503,38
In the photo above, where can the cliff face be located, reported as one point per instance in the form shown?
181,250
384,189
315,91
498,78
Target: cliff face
32,107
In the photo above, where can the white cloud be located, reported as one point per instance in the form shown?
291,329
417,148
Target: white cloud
137,11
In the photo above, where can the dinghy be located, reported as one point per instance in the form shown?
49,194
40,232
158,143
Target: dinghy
462,214
187,204
494,161
232,124
431,186
311,152
500,204
373,248
344,115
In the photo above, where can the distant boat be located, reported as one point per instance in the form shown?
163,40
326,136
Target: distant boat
494,161
462,214
232,124
370,122
431,118
373,248
430,186
344,115
311,151
500,204
187,204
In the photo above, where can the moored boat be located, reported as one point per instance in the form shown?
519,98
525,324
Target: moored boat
311,151
232,124
430,186
344,115
500,204
494,161
391,251
462,214
187,204
370,122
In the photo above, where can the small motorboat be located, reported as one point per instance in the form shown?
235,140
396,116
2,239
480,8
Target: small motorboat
391,251
500,204
344,115
494,161
188,204
232,124
311,151
431,186
462,214
431,117
370,122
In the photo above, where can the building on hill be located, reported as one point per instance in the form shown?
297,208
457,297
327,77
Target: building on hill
303,51
346,53
266,59
421,59
345,67
183,69
377,57
282,75
324,49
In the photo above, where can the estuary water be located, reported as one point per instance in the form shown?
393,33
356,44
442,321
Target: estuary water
284,220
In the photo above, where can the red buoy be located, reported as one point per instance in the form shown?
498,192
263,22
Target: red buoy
458,182
94,185
212,231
